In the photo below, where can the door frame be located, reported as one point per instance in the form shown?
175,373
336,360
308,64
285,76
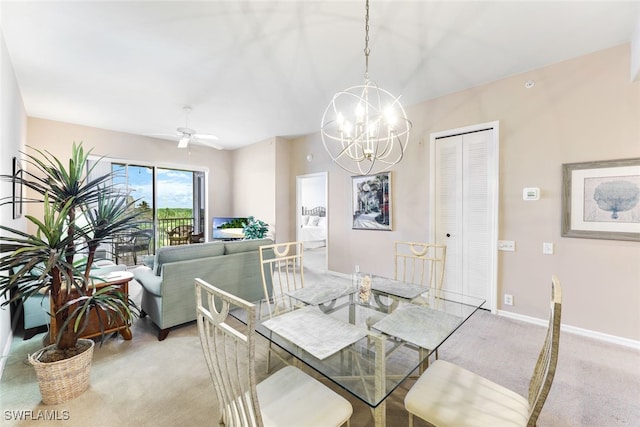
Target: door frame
299,178
494,170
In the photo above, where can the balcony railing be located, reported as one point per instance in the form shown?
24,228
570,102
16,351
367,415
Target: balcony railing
170,232
174,231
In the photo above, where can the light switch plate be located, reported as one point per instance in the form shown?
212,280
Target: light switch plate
547,248
506,245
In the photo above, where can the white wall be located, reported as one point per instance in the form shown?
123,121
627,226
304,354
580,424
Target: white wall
312,192
13,124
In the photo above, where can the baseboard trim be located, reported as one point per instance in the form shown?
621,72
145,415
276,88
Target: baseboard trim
5,352
625,342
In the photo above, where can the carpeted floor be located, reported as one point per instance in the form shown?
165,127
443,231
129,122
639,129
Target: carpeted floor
144,382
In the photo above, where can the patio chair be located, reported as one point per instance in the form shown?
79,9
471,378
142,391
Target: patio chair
180,235
132,243
448,395
288,397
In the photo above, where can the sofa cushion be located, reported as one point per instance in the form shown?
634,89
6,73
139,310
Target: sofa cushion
168,254
148,260
146,277
245,246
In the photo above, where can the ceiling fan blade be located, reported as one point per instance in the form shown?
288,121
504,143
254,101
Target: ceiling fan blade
172,137
206,143
206,136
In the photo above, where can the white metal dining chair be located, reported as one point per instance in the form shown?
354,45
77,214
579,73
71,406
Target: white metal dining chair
447,395
289,397
420,263
283,263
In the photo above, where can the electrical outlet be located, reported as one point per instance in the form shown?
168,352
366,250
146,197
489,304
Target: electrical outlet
508,299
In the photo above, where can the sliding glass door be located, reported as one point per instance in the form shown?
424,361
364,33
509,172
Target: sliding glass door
172,206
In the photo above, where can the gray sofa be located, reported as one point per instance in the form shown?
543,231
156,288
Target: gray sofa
168,278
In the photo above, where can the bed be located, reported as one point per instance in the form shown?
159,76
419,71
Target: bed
313,231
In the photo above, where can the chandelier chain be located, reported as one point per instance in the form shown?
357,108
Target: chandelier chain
366,42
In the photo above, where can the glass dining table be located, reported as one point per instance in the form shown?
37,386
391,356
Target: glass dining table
366,342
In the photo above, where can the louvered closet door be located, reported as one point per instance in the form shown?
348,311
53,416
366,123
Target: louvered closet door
464,211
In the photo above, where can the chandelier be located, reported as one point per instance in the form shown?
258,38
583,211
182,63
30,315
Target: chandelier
365,130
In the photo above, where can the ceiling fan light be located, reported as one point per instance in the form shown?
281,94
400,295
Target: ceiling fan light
184,142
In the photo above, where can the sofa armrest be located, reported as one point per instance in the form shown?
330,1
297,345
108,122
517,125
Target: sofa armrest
149,281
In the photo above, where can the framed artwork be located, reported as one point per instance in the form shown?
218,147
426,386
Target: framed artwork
17,189
371,202
601,200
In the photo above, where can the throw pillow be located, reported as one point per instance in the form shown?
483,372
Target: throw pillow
313,221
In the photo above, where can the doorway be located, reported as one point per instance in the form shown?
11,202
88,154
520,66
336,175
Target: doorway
464,200
312,222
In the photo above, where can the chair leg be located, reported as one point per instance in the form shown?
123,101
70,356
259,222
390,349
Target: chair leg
163,334
269,357
410,419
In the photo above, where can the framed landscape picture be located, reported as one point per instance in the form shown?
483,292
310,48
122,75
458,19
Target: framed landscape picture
371,202
601,200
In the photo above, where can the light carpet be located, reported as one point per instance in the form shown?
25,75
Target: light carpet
144,382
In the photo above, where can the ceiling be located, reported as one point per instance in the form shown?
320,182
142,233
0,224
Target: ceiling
252,70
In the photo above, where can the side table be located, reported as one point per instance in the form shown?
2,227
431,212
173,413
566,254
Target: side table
116,278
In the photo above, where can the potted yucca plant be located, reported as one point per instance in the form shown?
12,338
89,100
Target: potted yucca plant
79,213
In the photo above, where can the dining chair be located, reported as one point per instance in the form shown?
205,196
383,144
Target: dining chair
283,263
420,263
448,395
288,397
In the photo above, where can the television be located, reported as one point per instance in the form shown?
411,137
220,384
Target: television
228,228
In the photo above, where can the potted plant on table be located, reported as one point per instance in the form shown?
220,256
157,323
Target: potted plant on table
79,214
255,228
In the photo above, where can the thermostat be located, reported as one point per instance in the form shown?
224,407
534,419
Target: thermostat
531,193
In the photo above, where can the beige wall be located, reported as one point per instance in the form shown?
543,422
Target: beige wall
284,191
580,110
261,184
254,181
58,137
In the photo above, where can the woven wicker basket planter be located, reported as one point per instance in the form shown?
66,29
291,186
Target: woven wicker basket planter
63,380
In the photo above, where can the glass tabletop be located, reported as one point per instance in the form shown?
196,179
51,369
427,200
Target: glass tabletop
366,347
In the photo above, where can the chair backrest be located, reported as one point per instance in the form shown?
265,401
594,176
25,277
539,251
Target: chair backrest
283,263
420,263
545,369
142,238
229,354
184,230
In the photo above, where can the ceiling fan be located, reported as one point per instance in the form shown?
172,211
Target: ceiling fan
185,135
